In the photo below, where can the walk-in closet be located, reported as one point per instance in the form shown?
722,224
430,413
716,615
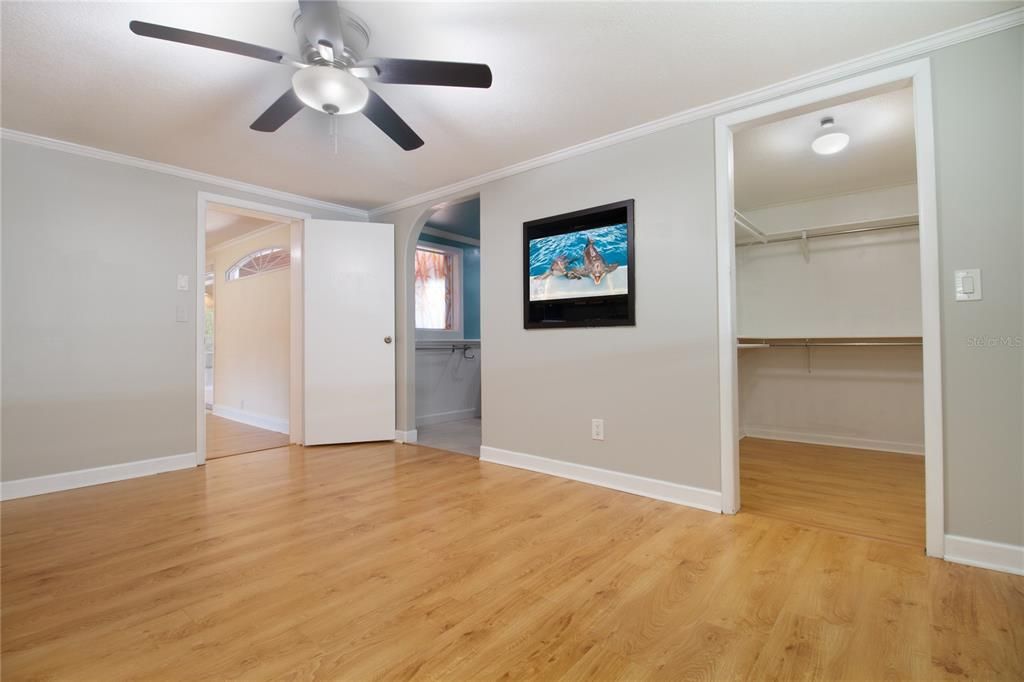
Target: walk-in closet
828,317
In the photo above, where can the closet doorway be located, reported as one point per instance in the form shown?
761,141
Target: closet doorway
446,288
829,313
247,330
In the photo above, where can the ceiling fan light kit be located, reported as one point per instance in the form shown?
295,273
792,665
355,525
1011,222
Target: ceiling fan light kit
330,90
332,76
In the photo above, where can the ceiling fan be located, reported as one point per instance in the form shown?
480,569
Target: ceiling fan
332,74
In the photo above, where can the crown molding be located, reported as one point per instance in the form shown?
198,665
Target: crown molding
167,169
887,57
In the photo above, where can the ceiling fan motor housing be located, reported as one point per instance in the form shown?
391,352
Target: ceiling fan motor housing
354,32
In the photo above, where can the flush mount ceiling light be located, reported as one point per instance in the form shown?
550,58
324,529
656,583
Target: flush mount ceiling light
829,143
330,90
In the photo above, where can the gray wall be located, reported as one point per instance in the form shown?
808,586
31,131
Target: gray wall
95,369
977,88
656,385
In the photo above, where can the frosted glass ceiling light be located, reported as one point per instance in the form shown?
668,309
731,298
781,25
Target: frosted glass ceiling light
328,89
829,143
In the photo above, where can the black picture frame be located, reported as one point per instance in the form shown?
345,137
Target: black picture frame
591,311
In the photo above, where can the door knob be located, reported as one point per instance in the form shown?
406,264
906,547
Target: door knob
387,339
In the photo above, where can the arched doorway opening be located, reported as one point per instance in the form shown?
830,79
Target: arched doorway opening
443,349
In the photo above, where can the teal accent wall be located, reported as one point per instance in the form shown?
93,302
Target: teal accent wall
470,283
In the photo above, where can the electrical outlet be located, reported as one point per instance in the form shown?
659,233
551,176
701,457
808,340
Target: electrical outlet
597,429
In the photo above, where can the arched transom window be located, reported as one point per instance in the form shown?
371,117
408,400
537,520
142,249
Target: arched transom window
264,260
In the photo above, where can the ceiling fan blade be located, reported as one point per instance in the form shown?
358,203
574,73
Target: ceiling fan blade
322,26
177,35
278,113
385,118
425,72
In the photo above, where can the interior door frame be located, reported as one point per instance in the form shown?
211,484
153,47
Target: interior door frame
918,74
295,407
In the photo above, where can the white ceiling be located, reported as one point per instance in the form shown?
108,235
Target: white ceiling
564,73
774,163
222,226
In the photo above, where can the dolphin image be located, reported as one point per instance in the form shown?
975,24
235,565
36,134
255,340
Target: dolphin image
594,265
559,266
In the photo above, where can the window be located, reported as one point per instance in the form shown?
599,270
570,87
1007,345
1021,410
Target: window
264,260
438,288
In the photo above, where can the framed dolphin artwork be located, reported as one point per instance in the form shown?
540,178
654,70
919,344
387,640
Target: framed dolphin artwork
579,269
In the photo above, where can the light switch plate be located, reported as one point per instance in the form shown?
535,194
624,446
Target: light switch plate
967,284
182,282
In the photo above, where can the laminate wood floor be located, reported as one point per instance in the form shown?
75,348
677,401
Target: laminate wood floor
225,437
388,561
864,492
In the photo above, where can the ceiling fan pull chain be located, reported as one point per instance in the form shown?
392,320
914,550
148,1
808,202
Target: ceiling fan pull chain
334,133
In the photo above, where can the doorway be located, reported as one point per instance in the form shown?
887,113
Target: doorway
340,327
828,309
446,285
247,328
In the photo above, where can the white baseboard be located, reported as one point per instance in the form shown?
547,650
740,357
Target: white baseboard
442,417
405,436
769,433
995,556
40,485
709,500
252,419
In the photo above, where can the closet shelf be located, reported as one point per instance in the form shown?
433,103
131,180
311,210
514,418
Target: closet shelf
817,342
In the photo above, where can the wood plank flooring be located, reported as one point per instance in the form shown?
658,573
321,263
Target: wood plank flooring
864,492
389,561
225,437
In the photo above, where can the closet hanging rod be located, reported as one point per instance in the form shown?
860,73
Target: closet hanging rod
466,348
838,343
820,344
856,230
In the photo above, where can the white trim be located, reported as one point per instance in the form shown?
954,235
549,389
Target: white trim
892,55
262,421
40,485
728,370
995,556
203,200
248,235
406,436
296,338
167,169
771,433
919,74
676,493
451,236
443,417
931,311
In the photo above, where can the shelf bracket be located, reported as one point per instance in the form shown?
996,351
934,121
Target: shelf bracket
805,248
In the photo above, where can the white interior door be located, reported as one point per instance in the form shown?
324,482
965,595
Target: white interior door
349,325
